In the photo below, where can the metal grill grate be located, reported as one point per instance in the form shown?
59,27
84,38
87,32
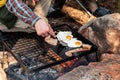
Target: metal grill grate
33,53
27,48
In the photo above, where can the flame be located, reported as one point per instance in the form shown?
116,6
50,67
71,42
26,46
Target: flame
69,63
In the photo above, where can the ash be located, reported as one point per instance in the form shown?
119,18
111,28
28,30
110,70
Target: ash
14,72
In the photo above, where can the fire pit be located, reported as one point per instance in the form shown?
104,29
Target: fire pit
34,54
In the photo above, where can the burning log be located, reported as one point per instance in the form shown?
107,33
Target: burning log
107,69
78,15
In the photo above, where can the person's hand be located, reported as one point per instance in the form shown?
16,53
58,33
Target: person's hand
43,28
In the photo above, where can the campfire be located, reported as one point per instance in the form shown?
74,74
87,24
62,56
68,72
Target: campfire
38,60
36,57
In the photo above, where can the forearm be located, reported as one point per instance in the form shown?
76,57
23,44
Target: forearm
22,11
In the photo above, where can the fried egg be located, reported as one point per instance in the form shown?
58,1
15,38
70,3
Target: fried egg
64,36
74,43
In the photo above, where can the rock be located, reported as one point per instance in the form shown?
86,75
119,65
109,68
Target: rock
107,69
2,74
11,59
6,59
104,32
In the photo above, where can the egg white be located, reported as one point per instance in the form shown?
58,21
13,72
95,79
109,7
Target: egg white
63,34
71,43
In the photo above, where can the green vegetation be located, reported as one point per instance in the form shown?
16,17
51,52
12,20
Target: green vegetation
118,6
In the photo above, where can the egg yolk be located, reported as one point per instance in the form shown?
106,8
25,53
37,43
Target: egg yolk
77,43
68,37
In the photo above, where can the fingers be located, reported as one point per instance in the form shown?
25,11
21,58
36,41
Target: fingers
44,29
45,35
51,32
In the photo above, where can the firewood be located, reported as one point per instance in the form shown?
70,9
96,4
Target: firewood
78,15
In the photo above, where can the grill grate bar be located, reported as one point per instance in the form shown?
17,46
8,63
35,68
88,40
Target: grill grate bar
28,50
33,53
